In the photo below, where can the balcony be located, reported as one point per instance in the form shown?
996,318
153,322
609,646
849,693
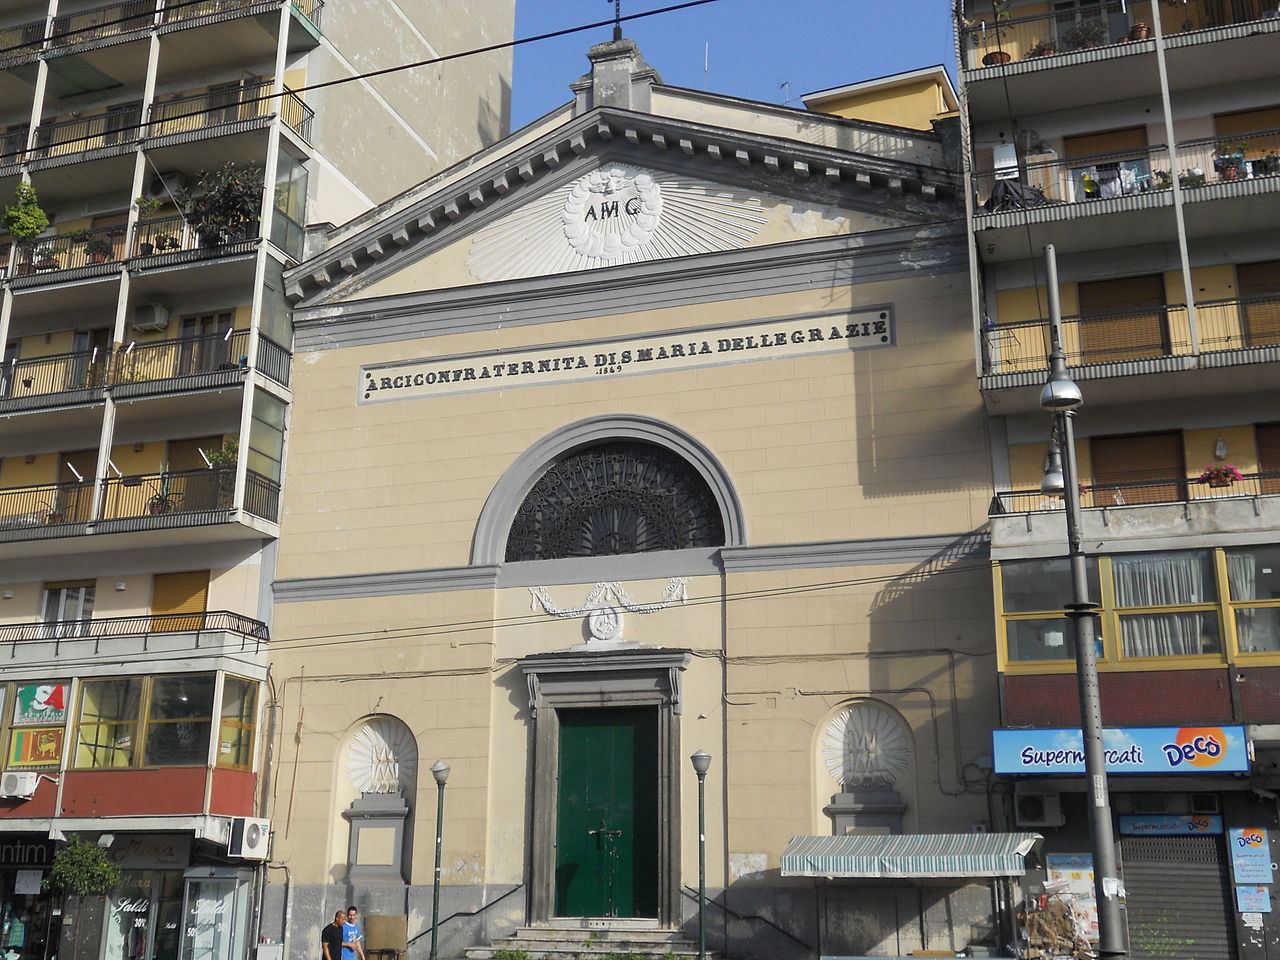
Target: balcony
21,44
103,628
218,113
71,141
1234,329
133,503
113,23
75,254
1111,29
199,12
1146,515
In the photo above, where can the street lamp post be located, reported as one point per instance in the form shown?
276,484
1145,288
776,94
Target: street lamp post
1061,395
701,764
439,770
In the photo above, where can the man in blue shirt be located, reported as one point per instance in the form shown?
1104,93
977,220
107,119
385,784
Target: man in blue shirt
352,936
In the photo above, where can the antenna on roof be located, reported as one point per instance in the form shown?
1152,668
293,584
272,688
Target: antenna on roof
617,20
785,87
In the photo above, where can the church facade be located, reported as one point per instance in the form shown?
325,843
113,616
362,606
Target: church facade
650,430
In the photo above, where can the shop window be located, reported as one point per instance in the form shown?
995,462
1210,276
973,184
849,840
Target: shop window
106,734
68,608
237,719
1184,579
179,718
39,724
1253,578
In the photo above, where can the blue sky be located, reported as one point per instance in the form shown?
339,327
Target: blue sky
755,45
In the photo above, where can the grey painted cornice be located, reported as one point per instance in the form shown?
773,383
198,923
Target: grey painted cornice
355,586
884,551
752,272
370,252
856,553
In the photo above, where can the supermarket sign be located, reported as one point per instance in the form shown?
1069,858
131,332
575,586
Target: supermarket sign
1127,750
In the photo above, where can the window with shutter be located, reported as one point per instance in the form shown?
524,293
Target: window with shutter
1140,468
1268,440
1259,288
179,600
1123,319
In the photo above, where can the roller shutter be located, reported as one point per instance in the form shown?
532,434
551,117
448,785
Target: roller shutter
1268,439
1123,319
1153,461
1259,286
1178,899
179,593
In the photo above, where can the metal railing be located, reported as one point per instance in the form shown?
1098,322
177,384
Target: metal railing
58,373
181,357
176,11
1138,492
274,360
212,108
1101,176
164,235
1240,156
311,9
21,43
1230,324
69,251
62,138
262,496
102,627
99,23
989,42
296,114
136,502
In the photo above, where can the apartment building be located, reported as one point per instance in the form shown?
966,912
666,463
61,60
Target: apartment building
158,161
1142,140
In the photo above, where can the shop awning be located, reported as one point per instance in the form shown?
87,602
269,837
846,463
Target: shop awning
911,855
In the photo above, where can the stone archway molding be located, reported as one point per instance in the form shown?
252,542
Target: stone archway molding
490,543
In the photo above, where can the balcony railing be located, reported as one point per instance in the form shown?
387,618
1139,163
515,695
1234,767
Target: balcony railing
1223,325
21,43
64,138
274,360
181,358
70,251
212,108
1133,493
296,114
112,20
107,627
179,498
988,42
1251,155
177,11
311,9
59,373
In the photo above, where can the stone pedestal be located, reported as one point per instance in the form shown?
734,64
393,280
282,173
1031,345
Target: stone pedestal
375,850
868,808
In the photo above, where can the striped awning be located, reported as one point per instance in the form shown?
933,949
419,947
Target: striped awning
910,855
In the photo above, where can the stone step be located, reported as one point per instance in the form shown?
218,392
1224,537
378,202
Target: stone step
602,934
549,950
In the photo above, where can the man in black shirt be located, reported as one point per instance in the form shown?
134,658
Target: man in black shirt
331,938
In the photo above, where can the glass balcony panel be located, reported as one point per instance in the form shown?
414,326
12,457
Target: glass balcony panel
1258,629
1048,639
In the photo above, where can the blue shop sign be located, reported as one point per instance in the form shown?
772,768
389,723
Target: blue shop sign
1171,825
1127,750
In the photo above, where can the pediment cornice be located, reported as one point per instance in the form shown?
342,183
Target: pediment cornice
425,224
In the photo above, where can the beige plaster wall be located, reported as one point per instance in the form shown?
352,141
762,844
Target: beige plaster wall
880,442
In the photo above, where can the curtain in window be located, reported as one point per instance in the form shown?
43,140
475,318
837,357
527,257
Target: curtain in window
1242,575
1257,630
1165,579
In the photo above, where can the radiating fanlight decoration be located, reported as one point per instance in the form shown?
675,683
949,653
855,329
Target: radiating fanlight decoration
866,746
383,757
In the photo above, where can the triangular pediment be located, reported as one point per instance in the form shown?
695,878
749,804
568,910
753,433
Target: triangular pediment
610,189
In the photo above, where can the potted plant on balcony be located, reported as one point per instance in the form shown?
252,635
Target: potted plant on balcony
147,207
46,258
1043,48
1223,476
25,219
223,203
1088,33
1000,13
99,248
1139,31
1230,160
224,462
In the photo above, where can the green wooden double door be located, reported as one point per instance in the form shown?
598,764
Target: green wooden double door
607,813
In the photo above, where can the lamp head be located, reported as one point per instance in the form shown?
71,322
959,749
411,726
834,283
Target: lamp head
701,763
440,770
1060,392
1055,481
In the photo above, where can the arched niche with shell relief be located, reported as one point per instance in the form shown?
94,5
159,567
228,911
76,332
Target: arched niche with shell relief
377,783
867,752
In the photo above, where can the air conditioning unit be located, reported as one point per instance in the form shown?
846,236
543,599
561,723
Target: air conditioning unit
250,838
1038,810
164,184
150,317
19,784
